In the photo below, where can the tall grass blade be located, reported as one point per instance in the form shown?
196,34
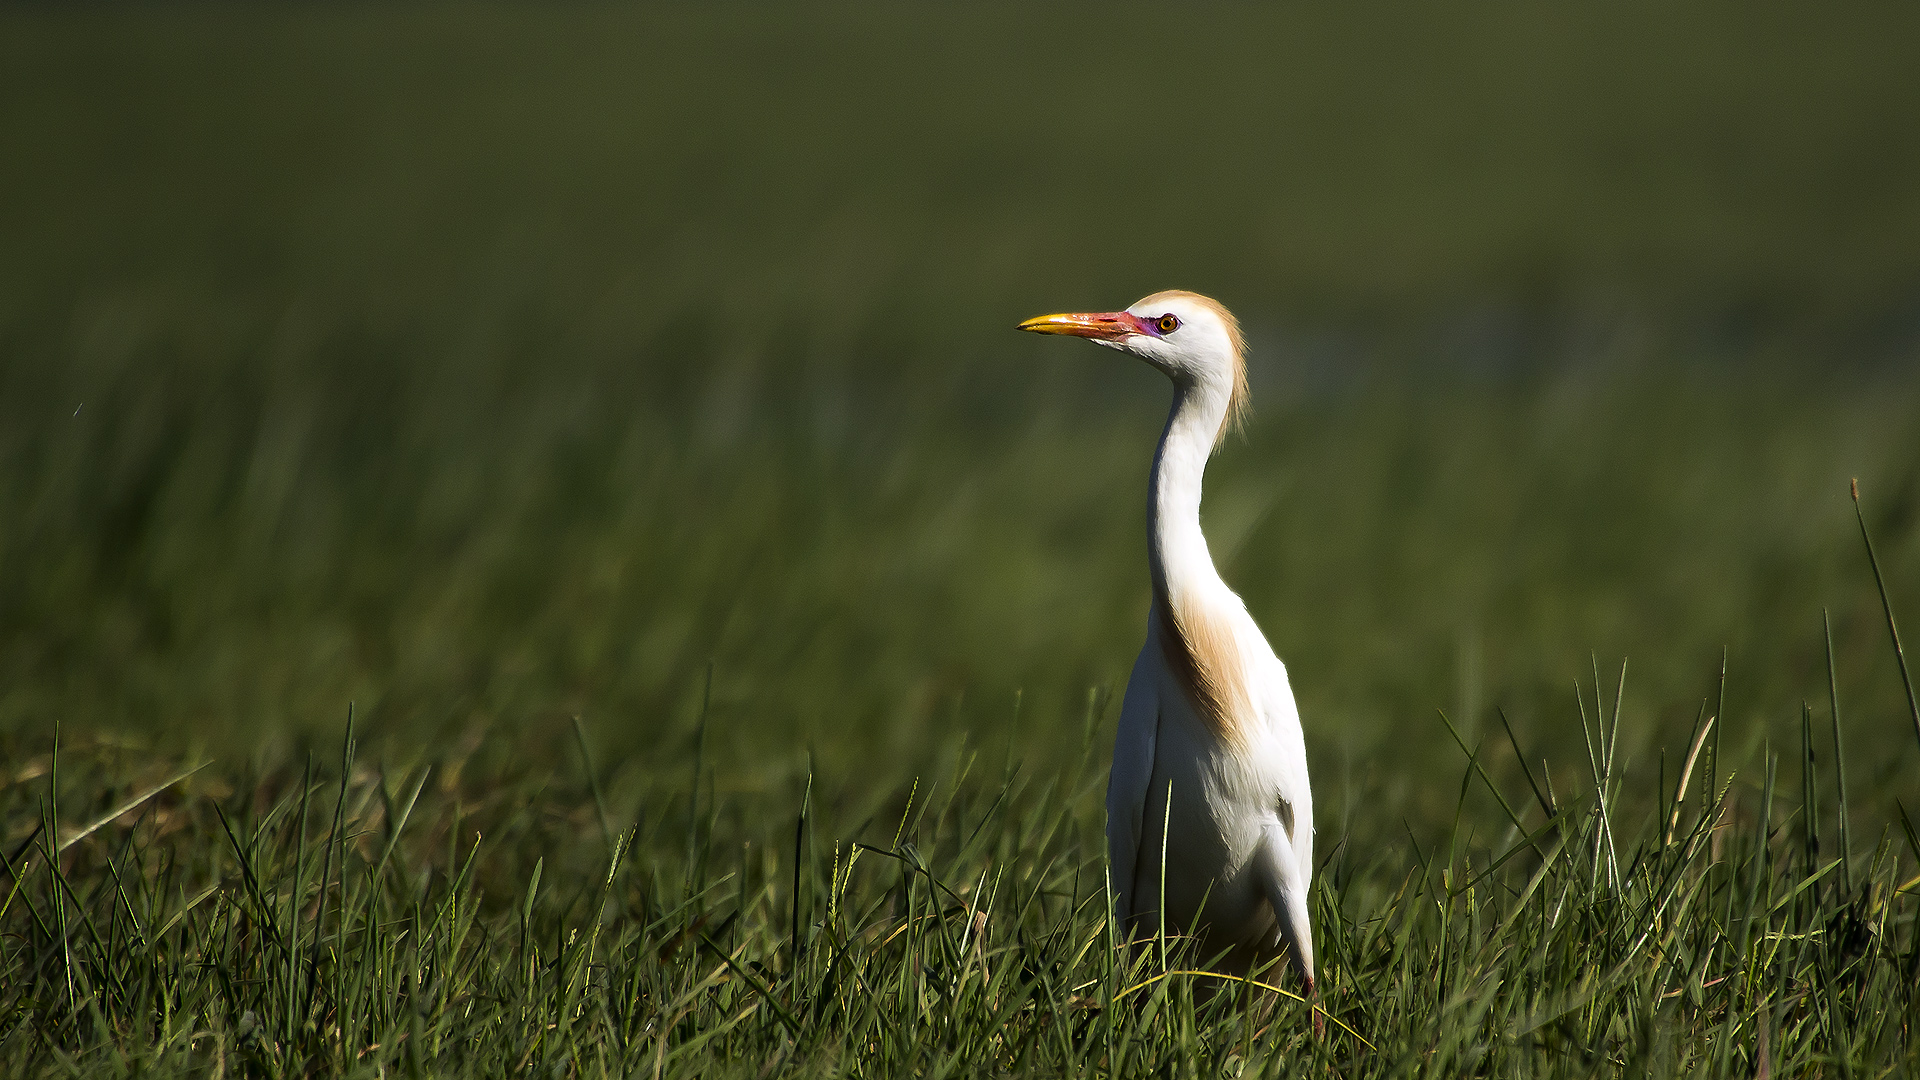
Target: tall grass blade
593,782
1839,757
1546,804
694,880
1886,605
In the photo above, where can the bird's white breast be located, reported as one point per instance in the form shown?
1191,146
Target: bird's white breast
1216,797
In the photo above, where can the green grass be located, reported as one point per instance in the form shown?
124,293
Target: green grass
366,918
477,368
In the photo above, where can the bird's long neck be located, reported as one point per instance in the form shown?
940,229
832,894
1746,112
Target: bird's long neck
1176,548
1195,631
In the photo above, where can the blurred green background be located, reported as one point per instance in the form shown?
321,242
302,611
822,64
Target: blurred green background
488,365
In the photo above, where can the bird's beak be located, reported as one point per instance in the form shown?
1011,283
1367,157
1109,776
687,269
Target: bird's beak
1099,325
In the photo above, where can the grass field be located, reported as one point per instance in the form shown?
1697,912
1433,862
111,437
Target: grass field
616,412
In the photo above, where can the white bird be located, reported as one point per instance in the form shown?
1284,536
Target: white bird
1209,744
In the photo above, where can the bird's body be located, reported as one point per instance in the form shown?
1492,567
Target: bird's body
1209,816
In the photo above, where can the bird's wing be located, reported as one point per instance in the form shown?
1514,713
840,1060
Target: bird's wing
1283,721
1127,784
1286,890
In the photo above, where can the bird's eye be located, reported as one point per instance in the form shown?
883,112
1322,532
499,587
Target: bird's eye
1169,323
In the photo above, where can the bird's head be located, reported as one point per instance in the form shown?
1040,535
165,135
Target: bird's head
1190,337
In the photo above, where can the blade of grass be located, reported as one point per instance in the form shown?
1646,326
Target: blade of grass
1473,760
593,781
693,787
797,946
126,807
1886,605
1546,804
1839,758
1686,771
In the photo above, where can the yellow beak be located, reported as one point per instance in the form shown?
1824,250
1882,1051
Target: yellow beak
1099,325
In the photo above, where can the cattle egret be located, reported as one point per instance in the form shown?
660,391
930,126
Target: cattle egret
1209,819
